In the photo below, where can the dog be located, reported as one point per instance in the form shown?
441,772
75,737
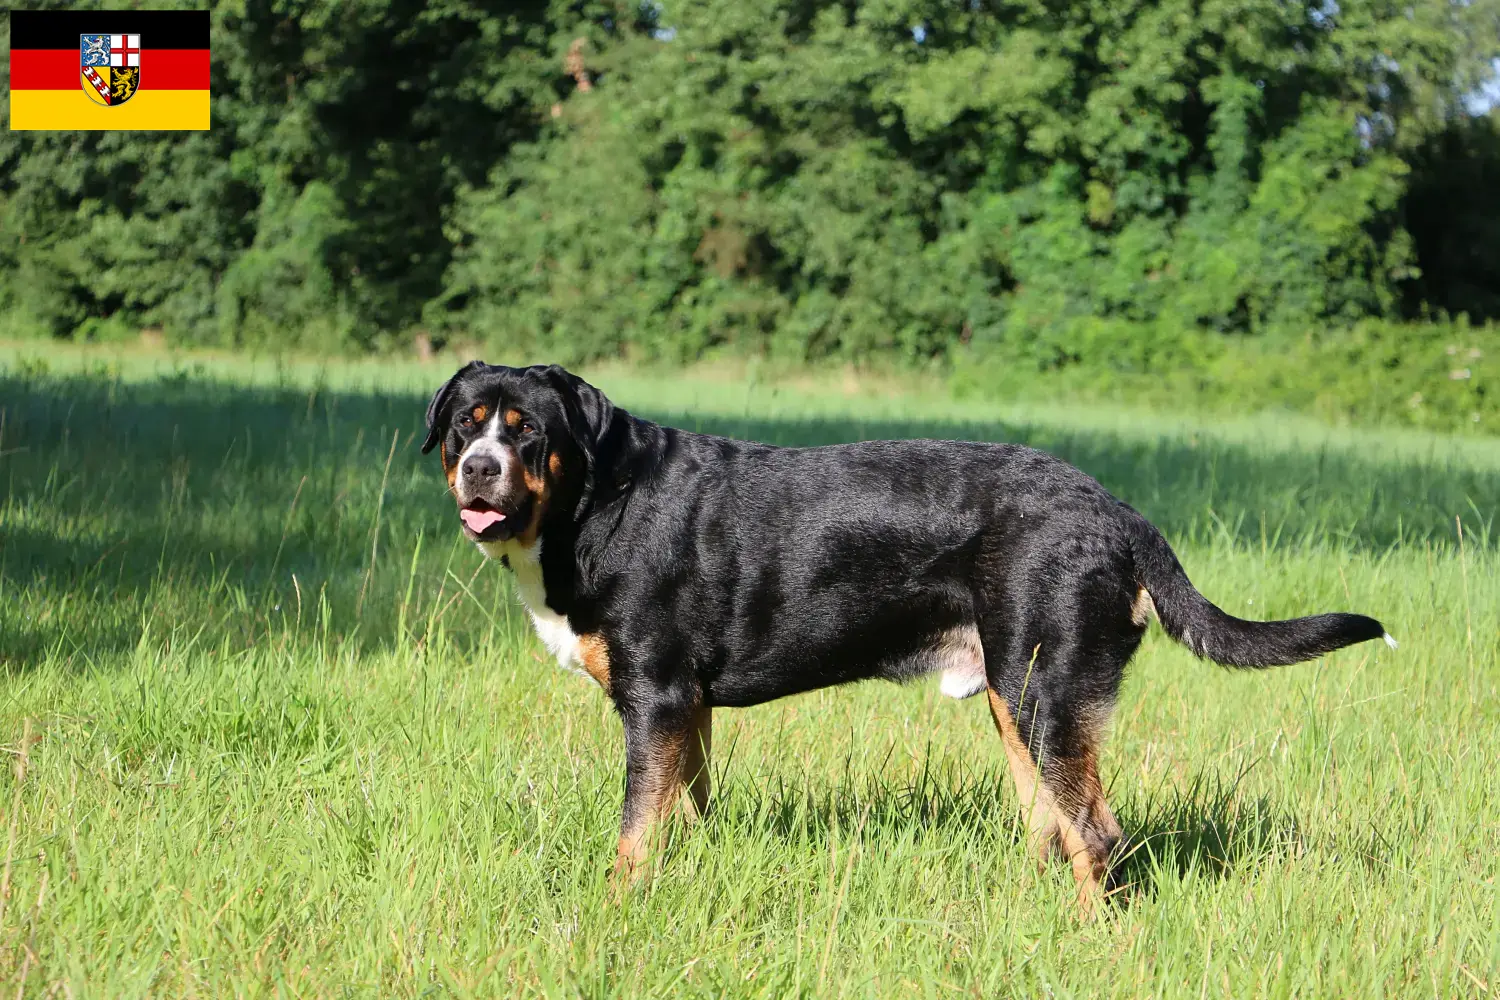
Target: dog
685,572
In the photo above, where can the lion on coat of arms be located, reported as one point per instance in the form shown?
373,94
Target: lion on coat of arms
96,50
122,84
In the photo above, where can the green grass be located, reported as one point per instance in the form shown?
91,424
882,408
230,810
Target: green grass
277,731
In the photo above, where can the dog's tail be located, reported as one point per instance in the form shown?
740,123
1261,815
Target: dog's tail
1198,624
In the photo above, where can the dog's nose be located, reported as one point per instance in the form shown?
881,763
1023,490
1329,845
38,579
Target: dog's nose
481,466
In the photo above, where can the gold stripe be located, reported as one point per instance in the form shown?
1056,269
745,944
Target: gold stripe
53,110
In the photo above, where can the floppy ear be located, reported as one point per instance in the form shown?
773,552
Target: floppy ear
437,410
590,413
594,426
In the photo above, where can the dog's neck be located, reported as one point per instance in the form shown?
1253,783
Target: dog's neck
554,572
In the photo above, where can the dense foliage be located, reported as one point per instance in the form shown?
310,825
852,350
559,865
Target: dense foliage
1101,182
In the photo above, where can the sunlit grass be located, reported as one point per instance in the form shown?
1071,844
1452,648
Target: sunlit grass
280,745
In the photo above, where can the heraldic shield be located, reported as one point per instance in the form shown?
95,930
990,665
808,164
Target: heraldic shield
111,67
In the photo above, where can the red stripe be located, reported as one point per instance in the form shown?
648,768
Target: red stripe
97,82
43,69
59,69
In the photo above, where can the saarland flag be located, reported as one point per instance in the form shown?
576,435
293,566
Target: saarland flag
108,69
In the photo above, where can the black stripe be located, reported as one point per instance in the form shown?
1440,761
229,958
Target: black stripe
59,29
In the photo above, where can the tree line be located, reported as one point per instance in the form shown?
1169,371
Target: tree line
1090,183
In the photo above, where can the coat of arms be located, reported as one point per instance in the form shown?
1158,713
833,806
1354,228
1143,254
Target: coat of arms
111,66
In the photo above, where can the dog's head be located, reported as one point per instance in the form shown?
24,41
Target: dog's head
517,444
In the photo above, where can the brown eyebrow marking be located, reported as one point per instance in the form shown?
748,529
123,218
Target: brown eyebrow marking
512,418
480,412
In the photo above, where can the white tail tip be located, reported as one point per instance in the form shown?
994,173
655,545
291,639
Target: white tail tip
1389,641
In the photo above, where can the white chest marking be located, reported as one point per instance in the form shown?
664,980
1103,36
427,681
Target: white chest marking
551,627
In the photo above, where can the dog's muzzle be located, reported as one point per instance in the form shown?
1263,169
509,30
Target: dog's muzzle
492,498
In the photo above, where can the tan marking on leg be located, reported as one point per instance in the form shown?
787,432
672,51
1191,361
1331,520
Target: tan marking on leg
593,652
1036,804
675,761
1087,828
653,799
1143,609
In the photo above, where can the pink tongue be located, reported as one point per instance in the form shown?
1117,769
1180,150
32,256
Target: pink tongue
479,520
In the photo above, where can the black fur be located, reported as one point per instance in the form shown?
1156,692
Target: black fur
1193,620
727,573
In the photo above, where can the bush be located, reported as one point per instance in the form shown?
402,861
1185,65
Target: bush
1086,191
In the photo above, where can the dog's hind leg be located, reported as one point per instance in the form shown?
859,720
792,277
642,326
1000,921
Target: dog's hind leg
1041,824
1055,766
1087,829
1075,699
1053,677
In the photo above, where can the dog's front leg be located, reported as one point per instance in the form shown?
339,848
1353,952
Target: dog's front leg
665,748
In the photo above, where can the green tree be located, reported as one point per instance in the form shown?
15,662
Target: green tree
1097,183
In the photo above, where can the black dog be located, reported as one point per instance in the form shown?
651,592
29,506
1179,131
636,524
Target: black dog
684,572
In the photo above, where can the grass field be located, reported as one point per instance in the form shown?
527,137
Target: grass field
273,729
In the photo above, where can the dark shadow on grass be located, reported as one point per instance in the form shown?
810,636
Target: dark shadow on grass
24,642
1204,831
118,494
112,488
945,800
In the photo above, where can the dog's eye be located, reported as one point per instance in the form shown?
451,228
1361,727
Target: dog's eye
527,427
466,421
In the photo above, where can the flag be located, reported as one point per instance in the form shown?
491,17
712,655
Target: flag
108,69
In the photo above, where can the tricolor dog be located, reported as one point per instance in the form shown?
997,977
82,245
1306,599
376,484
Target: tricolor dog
686,572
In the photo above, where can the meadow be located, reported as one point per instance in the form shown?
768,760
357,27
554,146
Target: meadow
271,728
